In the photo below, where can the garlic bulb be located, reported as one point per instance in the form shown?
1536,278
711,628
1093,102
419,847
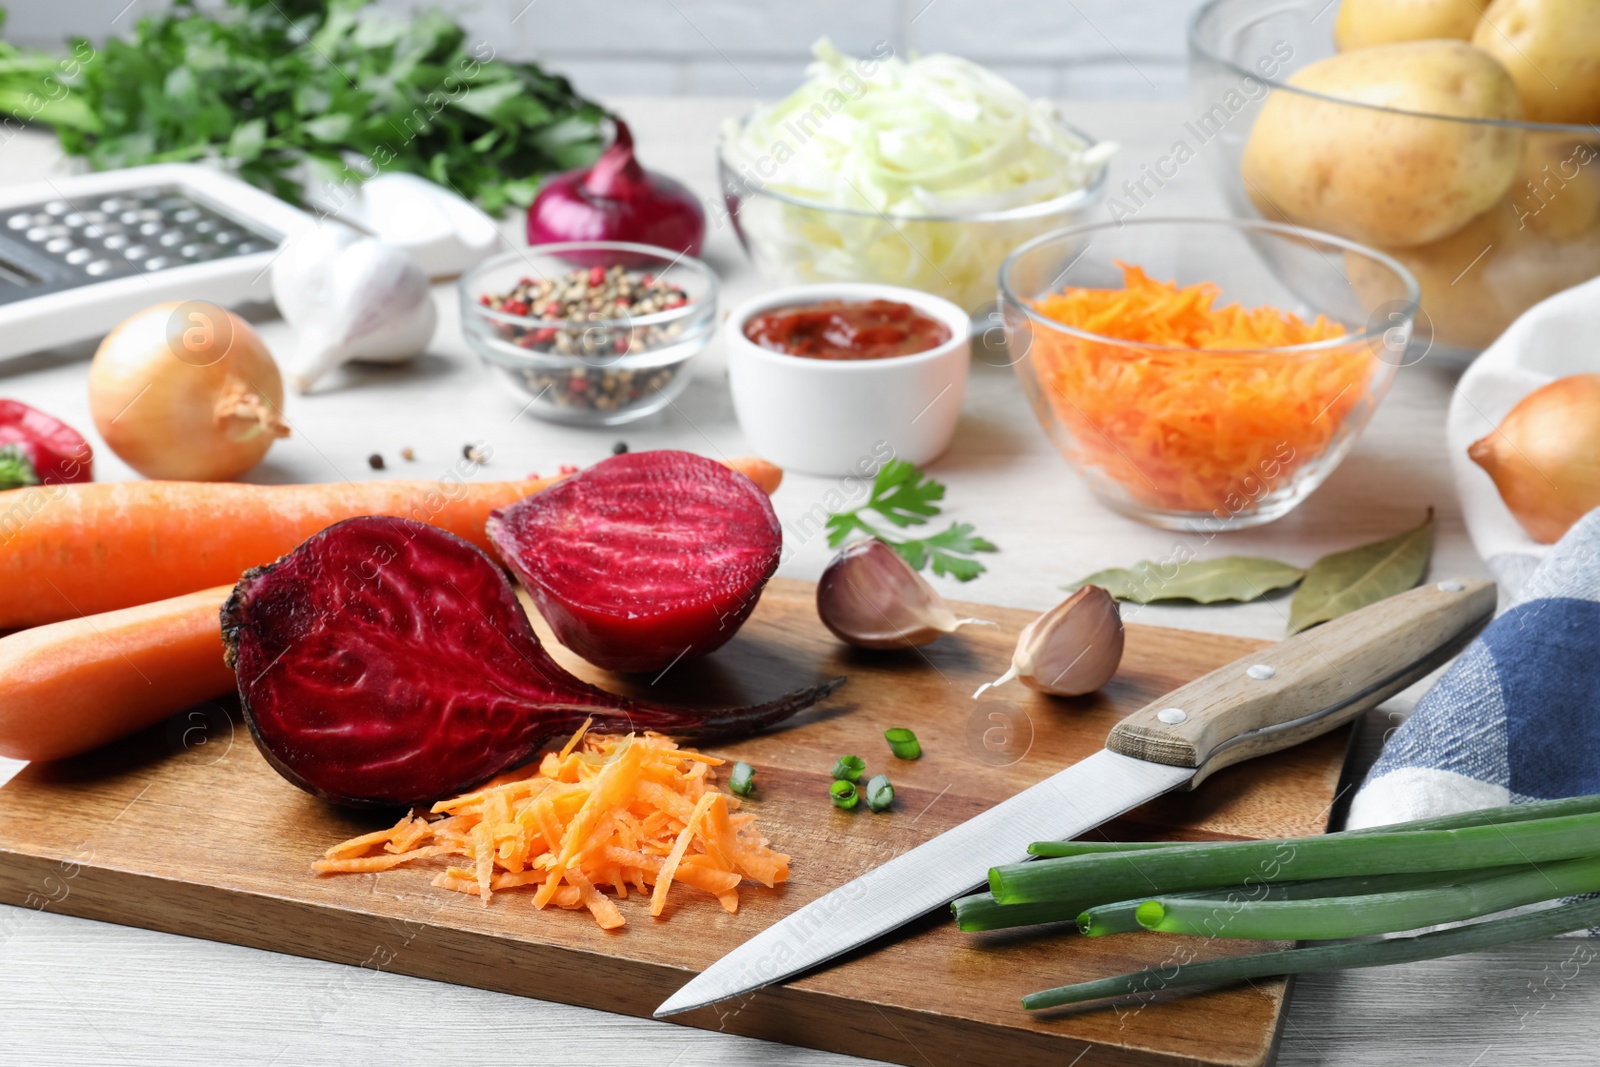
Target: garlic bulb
301,272
1072,649
350,298
1545,456
871,598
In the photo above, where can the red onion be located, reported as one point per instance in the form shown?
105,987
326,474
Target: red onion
617,200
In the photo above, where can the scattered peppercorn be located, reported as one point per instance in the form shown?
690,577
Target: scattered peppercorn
407,454
474,454
620,448
375,461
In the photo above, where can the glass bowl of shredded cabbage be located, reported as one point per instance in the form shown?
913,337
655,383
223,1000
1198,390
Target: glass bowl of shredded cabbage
923,173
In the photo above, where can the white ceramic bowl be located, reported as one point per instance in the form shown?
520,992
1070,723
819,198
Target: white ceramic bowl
828,416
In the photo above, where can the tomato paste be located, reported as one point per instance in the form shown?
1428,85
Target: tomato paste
838,329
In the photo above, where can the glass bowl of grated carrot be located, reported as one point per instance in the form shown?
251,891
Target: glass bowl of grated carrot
1203,374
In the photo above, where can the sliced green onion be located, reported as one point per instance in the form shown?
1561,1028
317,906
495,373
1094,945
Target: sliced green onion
742,780
1490,934
1324,919
1179,868
880,794
849,768
843,792
903,743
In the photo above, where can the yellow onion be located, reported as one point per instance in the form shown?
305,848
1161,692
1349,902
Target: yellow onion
1545,456
188,392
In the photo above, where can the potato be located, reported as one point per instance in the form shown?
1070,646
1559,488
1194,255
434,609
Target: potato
1393,180
1364,23
1552,49
1557,191
1476,281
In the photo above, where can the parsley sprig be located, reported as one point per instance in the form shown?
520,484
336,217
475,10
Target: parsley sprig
904,497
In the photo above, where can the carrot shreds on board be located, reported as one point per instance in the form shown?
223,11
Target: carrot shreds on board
1206,418
602,814
658,896
369,864
357,845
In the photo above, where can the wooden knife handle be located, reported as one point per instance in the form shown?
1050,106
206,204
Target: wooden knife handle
1308,684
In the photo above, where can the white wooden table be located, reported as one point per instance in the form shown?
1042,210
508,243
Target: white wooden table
83,992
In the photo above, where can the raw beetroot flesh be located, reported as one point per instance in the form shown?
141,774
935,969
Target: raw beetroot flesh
385,661
644,559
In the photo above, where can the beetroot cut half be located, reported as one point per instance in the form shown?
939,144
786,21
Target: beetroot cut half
388,662
643,559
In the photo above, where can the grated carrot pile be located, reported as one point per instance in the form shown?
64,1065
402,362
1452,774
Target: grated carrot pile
1196,425
604,813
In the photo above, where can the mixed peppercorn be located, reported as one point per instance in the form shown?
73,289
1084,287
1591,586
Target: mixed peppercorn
599,306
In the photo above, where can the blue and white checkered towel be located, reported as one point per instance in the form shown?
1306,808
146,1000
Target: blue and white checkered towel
1517,717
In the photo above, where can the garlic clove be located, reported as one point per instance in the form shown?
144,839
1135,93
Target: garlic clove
1072,649
871,598
378,305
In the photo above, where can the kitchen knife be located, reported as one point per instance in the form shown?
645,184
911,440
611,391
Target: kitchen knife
1270,700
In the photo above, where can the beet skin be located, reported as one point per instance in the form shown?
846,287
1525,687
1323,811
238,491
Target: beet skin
388,662
643,559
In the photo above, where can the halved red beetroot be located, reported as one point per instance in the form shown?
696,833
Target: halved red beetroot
388,662
643,559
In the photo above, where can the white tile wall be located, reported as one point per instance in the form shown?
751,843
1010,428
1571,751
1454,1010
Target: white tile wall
1077,48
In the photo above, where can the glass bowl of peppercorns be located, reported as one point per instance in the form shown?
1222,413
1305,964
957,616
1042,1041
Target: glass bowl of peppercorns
594,333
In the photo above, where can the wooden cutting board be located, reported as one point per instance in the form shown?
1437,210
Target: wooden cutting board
186,829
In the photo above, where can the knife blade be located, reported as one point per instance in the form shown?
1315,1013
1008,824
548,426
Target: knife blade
1272,699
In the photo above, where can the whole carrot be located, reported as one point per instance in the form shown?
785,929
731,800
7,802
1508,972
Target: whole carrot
70,686
71,550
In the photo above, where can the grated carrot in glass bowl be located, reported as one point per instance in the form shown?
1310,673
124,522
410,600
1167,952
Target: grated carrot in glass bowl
1178,411
604,813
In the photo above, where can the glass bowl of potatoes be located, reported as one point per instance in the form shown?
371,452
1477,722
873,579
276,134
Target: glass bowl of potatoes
1460,137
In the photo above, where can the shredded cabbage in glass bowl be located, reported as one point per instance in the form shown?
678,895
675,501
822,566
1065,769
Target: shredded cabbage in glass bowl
924,174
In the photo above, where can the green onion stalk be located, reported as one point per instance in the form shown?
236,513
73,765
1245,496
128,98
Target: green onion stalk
1492,933
1182,867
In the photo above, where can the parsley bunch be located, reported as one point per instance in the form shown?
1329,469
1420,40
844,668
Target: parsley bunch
904,496
279,88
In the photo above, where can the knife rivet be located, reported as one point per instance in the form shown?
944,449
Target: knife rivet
1450,585
1172,716
1259,671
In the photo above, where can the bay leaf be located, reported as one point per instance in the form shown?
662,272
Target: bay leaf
1344,581
1204,581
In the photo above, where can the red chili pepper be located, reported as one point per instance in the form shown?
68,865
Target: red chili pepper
38,449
